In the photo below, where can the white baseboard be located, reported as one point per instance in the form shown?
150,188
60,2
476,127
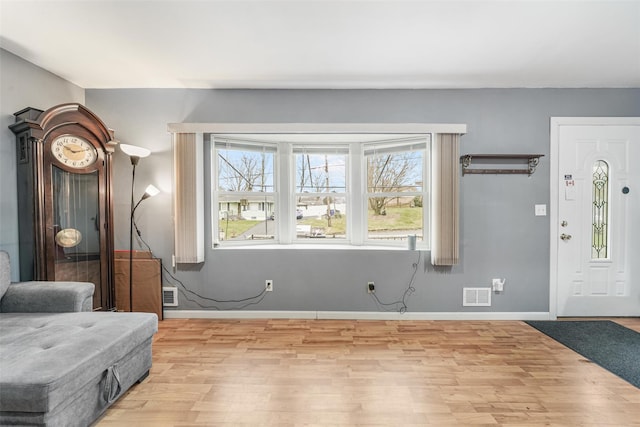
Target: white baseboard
238,314
353,315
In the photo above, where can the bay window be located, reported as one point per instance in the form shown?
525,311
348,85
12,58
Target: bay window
347,189
350,183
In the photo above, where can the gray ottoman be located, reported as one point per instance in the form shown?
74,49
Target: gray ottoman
65,369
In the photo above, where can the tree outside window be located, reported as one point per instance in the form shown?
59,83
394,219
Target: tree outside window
395,180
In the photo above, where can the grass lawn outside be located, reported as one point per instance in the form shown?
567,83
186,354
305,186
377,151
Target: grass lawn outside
396,219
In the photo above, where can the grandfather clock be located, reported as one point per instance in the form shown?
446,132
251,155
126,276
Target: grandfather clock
65,211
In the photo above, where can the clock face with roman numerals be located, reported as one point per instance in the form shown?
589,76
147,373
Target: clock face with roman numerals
74,151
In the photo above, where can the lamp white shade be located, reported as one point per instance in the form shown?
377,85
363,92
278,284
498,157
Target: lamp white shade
134,151
151,191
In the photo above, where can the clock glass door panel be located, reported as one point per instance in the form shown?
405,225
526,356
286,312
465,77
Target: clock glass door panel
76,228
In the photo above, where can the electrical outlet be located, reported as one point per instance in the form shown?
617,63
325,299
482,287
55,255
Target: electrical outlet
268,285
498,285
371,287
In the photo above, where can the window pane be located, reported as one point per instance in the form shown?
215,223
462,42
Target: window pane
394,218
395,175
321,173
600,220
321,216
395,172
320,193
245,170
243,217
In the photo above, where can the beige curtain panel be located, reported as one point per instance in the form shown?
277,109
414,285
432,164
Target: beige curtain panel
188,193
445,208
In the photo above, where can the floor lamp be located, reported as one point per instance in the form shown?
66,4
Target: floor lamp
135,154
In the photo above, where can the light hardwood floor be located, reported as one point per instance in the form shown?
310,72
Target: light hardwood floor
370,373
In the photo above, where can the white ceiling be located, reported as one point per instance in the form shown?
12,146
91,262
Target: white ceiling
328,44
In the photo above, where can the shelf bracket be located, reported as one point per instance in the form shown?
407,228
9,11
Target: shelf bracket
466,162
533,163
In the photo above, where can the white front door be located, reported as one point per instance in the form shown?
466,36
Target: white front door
595,205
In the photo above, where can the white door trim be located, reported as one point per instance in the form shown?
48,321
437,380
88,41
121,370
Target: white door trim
554,226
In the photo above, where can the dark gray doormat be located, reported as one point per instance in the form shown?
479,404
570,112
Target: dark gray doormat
604,342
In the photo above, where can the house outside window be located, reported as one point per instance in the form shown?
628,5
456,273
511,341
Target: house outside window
245,183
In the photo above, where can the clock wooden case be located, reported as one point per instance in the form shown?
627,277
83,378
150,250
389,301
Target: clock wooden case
64,162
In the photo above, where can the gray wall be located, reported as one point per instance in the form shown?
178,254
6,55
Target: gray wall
501,237
22,84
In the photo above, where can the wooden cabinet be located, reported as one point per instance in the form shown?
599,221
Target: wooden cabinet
147,282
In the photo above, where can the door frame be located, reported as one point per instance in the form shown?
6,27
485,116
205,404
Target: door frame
556,124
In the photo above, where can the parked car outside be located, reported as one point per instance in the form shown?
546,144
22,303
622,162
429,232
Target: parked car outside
298,215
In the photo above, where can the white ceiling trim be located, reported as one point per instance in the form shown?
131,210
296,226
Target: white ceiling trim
317,128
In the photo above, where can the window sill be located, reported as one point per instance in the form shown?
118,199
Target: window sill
297,246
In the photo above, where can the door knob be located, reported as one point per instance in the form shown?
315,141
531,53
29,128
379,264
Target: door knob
565,237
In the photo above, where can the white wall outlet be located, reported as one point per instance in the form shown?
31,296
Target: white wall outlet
498,285
268,285
371,287
541,210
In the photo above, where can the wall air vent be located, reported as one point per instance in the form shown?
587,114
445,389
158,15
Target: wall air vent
169,297
476,297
